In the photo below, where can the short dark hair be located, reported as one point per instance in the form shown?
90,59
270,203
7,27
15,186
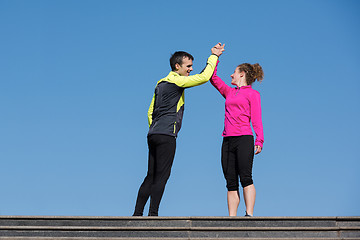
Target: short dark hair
178,57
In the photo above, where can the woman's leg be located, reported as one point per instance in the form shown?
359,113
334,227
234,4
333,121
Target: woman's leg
233,198
245,157
228,158
249,198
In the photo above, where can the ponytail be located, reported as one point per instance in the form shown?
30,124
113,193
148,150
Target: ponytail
253,72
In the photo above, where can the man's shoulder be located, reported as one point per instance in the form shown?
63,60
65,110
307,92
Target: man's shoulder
170,76
173,78
169,83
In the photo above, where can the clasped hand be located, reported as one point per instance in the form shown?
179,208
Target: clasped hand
218,49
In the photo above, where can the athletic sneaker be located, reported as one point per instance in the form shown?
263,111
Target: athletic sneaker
247,215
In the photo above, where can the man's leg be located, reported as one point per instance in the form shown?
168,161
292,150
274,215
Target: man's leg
145,188
165,153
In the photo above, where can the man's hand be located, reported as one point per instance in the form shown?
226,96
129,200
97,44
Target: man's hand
218,49
257,149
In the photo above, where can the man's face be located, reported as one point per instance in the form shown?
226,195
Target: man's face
185,68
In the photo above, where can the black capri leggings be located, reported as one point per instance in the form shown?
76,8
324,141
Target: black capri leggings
237,156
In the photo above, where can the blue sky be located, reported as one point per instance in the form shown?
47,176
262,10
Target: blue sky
77,78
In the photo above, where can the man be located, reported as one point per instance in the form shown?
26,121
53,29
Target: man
165,117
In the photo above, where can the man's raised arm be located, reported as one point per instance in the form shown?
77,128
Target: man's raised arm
205,75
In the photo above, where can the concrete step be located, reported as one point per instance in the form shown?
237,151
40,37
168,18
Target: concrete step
86,228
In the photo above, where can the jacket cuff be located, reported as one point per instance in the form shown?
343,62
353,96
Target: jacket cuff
258,143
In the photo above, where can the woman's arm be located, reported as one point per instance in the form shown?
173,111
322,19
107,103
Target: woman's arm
256,120
219,84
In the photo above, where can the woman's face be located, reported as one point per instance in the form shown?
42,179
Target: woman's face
235,77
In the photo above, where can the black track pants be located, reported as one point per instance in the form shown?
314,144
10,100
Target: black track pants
161,157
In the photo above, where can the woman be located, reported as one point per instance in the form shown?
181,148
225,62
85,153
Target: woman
242,105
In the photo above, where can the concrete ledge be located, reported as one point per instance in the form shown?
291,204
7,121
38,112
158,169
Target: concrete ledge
179,228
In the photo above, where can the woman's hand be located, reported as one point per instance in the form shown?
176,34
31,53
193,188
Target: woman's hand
218,49
257,149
